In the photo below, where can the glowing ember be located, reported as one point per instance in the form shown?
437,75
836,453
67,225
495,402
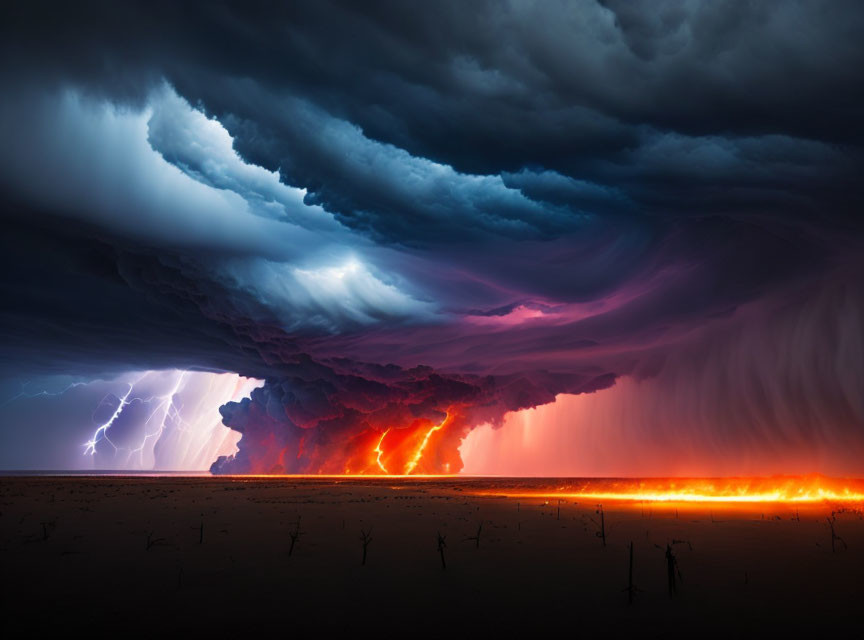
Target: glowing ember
807,489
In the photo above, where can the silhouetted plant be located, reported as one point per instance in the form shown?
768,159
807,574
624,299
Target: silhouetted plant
47,528
295,534
365,538
834,537
687,542
442,542
152,542
673,573
671,568
631,588
602,524
201,533
476,538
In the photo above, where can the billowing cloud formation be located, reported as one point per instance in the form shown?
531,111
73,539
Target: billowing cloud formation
556,194
334,418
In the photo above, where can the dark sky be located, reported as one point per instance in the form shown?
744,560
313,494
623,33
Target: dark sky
549,194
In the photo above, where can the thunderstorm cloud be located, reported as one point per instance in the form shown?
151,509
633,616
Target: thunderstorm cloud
401,215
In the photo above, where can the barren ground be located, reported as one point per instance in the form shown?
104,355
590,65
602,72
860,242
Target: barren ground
125,554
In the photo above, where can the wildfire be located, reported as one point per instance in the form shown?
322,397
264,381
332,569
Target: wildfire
809,489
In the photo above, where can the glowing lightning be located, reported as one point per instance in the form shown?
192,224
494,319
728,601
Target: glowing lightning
171,411
380,452
102,432
167,402
419,453
40,394
172,431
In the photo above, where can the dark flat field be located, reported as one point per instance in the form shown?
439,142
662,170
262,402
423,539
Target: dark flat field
127,554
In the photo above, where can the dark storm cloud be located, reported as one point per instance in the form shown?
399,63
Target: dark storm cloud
458,129
75,303
485,88
504,188
310,419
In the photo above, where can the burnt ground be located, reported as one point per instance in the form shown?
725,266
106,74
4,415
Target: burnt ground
127,555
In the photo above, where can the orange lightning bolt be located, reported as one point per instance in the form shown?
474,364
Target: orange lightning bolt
380,452
419,453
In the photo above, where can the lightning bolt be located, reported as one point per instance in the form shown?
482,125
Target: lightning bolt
199,435
418,454
40,394
101,432
171,410
380,452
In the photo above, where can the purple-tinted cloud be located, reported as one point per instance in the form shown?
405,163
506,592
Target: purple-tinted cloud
408,214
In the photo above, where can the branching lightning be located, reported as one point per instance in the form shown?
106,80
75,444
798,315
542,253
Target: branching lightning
194,439
40,394
168,410
101,432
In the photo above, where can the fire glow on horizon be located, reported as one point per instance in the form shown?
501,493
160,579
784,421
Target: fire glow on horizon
421,449
796,489
793,490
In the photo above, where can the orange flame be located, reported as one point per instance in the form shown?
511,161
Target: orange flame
808,489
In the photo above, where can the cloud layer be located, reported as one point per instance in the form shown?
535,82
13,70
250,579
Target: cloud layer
526,191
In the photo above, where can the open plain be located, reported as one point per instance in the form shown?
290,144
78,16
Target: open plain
285,554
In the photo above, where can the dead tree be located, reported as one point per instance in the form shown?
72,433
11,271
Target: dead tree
602,533
442,542
47,528
687,542
476,538
834,537
631,588
201,533
294,534
673,573
365,538
152,542
671,570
